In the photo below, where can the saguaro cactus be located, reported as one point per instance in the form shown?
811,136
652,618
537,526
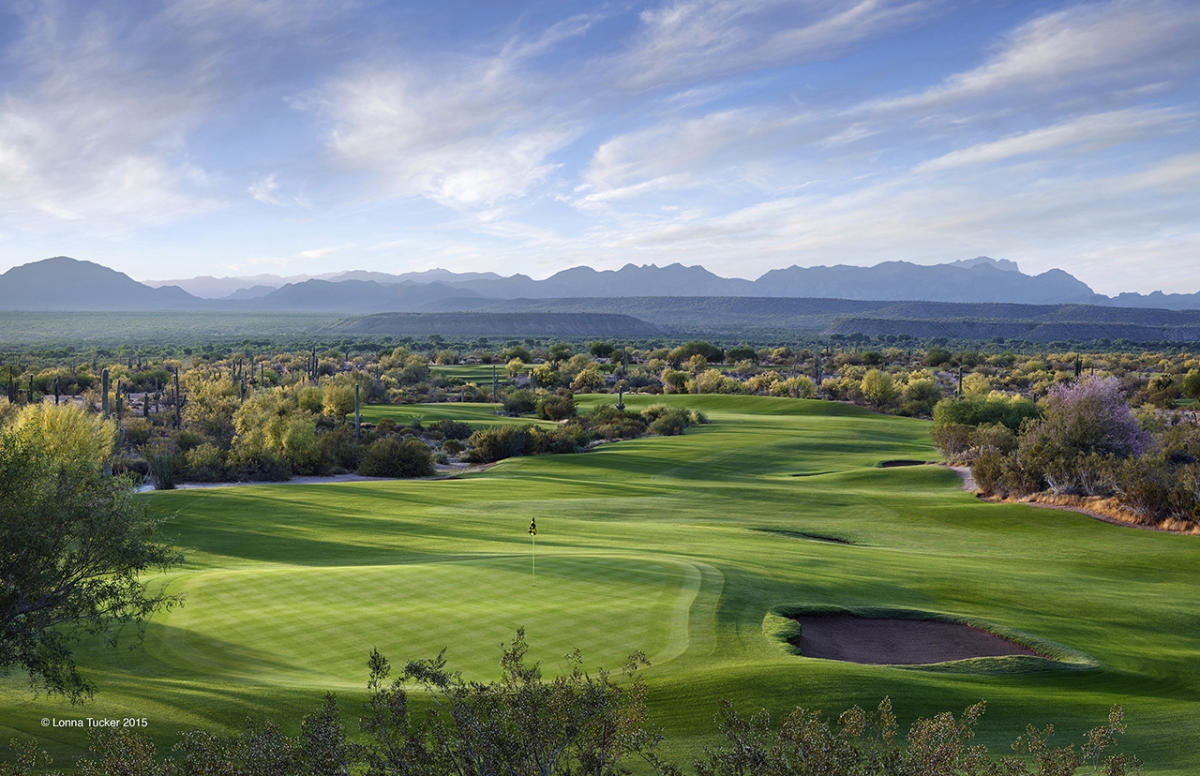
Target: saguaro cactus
104,392
357,417
177,398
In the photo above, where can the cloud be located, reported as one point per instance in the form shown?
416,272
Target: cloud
470,133
1116,42
264,190
1094,131
691,40
89,135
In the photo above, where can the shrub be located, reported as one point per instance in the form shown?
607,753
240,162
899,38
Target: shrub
952,440
669,421
972,411
519,402
498,442
204,463
556,407
163,462
395,457
249,464
452,446
452,429
137,431
807,744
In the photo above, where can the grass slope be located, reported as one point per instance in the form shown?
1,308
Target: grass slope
680,546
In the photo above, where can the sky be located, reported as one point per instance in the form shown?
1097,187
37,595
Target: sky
237,137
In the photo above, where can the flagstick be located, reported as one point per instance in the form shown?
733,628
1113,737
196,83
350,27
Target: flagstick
533,554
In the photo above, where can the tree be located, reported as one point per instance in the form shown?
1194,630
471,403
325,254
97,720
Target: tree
1088,416
601,349
878,388
73,544
1191,384
588,380
338,401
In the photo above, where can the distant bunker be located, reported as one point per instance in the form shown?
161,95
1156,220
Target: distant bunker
900,462
896,641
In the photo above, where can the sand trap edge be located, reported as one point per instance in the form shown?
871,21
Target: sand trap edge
779,629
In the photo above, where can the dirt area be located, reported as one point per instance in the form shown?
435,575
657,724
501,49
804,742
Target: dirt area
897,641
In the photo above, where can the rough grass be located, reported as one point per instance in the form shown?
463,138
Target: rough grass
681,546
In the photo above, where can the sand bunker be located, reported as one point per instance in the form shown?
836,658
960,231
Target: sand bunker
896,641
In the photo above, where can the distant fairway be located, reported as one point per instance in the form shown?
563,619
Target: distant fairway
678,546
474,414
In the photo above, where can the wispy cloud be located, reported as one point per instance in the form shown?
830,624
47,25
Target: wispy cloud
89,136
1094,131
687,41
1114,42
263,190
469,134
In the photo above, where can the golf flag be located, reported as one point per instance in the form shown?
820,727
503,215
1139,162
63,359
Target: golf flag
533,527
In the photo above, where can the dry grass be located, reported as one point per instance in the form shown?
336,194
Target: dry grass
1110,510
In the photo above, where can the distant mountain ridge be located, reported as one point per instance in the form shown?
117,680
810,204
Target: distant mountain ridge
979,279
62,283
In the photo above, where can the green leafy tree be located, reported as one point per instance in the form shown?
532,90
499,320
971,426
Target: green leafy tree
601,349
1191,384
73,544
878,388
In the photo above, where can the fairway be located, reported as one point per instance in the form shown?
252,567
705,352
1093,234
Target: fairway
677,546
474,414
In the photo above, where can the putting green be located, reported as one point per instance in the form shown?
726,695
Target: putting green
678,546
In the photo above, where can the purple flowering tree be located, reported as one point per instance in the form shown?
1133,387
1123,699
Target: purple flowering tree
1089,415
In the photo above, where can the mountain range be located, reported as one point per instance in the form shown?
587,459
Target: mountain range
63,283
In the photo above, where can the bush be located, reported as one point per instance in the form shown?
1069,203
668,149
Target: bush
164,464
499,442
519,402
807,744
973,411
452,429
556,407
137,431
666,421
204,463
248,464
395,457
952,440
452,447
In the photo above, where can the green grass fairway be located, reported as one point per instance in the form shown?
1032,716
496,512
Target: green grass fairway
679,546
480,374
474,414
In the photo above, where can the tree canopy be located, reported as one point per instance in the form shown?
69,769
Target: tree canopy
73,543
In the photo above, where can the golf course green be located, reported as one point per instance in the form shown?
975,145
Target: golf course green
688,548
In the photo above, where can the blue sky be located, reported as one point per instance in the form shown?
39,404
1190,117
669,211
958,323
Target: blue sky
237,137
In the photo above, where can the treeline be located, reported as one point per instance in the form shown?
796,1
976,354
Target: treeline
580,724
1082,445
